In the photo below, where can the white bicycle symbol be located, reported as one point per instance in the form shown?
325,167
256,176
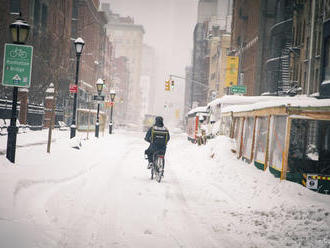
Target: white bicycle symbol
18,53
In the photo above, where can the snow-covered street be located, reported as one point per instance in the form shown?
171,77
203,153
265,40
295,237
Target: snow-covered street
101,196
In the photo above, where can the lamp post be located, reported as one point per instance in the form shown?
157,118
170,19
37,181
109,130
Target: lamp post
19,32
79,45
112,98
99,87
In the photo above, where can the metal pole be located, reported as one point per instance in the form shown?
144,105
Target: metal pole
88,121
73,125
110,122
97,125
12,129
51,126
311,43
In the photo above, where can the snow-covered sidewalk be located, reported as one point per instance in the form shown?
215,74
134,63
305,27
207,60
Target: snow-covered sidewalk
101,196
237,199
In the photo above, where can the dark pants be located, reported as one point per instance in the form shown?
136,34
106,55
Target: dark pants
152,149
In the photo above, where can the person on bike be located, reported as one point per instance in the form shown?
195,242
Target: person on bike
158,137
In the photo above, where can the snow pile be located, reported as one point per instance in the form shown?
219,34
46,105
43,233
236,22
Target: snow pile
251,204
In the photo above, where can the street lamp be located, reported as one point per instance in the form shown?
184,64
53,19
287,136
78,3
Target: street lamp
112,98
99,87
19,31
79,45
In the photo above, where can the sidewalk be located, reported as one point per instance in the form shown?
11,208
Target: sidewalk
32,138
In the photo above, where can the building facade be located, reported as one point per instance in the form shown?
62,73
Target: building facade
50,31
128,42
213,17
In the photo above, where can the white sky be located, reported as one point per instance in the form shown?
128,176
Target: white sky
169,26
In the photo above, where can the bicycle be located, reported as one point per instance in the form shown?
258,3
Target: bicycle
18,53
157,167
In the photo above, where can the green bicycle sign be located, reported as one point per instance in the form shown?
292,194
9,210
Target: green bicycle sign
17,65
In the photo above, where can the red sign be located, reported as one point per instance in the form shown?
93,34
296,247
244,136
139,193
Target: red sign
109,104
73,88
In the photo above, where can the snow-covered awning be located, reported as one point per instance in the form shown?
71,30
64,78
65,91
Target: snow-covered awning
298,101
198,110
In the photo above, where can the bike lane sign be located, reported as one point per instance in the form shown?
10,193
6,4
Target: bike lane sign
17,65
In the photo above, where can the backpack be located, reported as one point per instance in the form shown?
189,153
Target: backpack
159,136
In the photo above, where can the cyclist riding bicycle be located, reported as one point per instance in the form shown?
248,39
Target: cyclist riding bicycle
158,137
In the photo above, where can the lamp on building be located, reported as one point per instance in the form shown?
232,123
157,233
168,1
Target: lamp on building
79,45
20,32
112,98
99,87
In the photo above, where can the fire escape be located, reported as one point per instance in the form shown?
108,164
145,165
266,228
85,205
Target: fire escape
281,39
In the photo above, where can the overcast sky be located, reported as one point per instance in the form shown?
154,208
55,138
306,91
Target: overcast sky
169,26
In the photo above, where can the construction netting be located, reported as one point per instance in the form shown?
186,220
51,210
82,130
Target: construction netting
248,137
237,134
277,141
261,139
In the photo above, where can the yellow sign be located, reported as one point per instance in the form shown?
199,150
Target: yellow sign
177,114
231,71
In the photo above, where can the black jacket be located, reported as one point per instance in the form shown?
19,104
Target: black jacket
156,131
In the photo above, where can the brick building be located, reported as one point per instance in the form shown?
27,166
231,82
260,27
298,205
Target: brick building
50,23
306,59
247,26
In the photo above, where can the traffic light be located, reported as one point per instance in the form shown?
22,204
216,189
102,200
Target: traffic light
167,86
172,84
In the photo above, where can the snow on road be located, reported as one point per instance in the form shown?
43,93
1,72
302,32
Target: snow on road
102,196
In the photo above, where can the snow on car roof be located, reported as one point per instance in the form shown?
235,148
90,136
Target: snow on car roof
198,109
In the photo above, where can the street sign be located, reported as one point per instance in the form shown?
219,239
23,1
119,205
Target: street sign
17,65
73,88
240,89
98,98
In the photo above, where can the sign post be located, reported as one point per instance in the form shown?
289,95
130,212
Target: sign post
17,65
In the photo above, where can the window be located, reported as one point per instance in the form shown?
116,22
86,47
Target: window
318,48
327,59
44,16
15,6
309,146
316,81
307,48
36,18
303,33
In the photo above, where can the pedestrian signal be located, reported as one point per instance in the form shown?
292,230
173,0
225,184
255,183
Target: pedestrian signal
167,85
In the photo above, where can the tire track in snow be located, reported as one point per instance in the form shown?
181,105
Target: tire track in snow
99,217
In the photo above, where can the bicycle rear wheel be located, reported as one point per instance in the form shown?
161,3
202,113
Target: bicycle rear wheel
152,171
160,166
